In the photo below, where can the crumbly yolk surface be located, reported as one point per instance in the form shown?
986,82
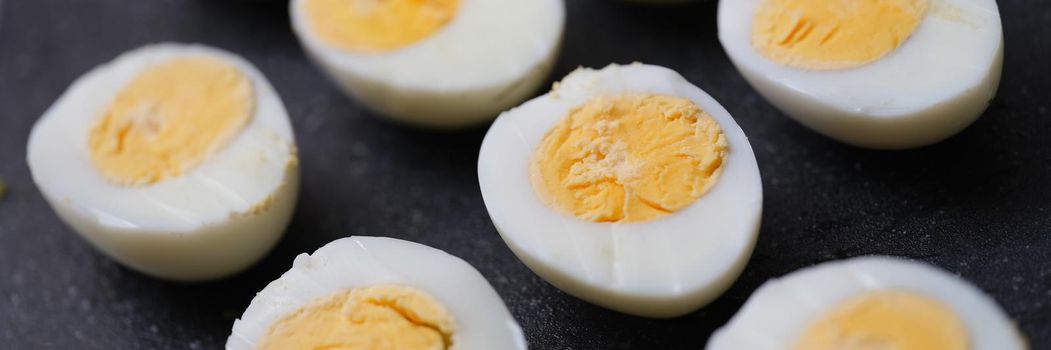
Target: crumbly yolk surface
629,158
833,34
385,317
374,26
887,320
169,119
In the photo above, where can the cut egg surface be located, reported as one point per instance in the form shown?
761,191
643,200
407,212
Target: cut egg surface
869,303
377,293
433,63
885,74
176,160
627,187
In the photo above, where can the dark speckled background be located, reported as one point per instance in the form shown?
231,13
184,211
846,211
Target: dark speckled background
978,204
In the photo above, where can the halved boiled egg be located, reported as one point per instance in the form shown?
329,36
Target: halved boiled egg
377,293
883,74
869,303
176,160
438,63
627,187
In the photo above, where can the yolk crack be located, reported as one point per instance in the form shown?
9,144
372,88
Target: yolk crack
833,34
629,158
169,119
377,317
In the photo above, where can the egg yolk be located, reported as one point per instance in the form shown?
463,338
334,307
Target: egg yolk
374,26
169,119
371,318
629,158
833,34
887,320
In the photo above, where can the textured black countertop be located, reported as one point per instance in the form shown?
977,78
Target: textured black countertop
978,204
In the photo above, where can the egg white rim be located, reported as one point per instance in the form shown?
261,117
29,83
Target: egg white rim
634,260
207,194
359,261
428,74
871,90
808,293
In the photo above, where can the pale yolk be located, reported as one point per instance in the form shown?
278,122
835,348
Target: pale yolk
833,34
629,158
372,318
887,320
169,119
373,26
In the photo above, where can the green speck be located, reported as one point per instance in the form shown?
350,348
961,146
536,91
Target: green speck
3,188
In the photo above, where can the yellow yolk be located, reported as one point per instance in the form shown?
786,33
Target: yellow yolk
169,119
833,34
377,25
887,320
629,158
372,318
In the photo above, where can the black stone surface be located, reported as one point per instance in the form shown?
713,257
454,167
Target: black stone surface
978,205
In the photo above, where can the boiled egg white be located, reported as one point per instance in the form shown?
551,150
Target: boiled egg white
627,187
176,160
435,63
872,302
377,293
871,73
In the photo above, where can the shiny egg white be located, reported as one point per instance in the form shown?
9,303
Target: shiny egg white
213,221
492,55
661,268
938,82
483,322
779,311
